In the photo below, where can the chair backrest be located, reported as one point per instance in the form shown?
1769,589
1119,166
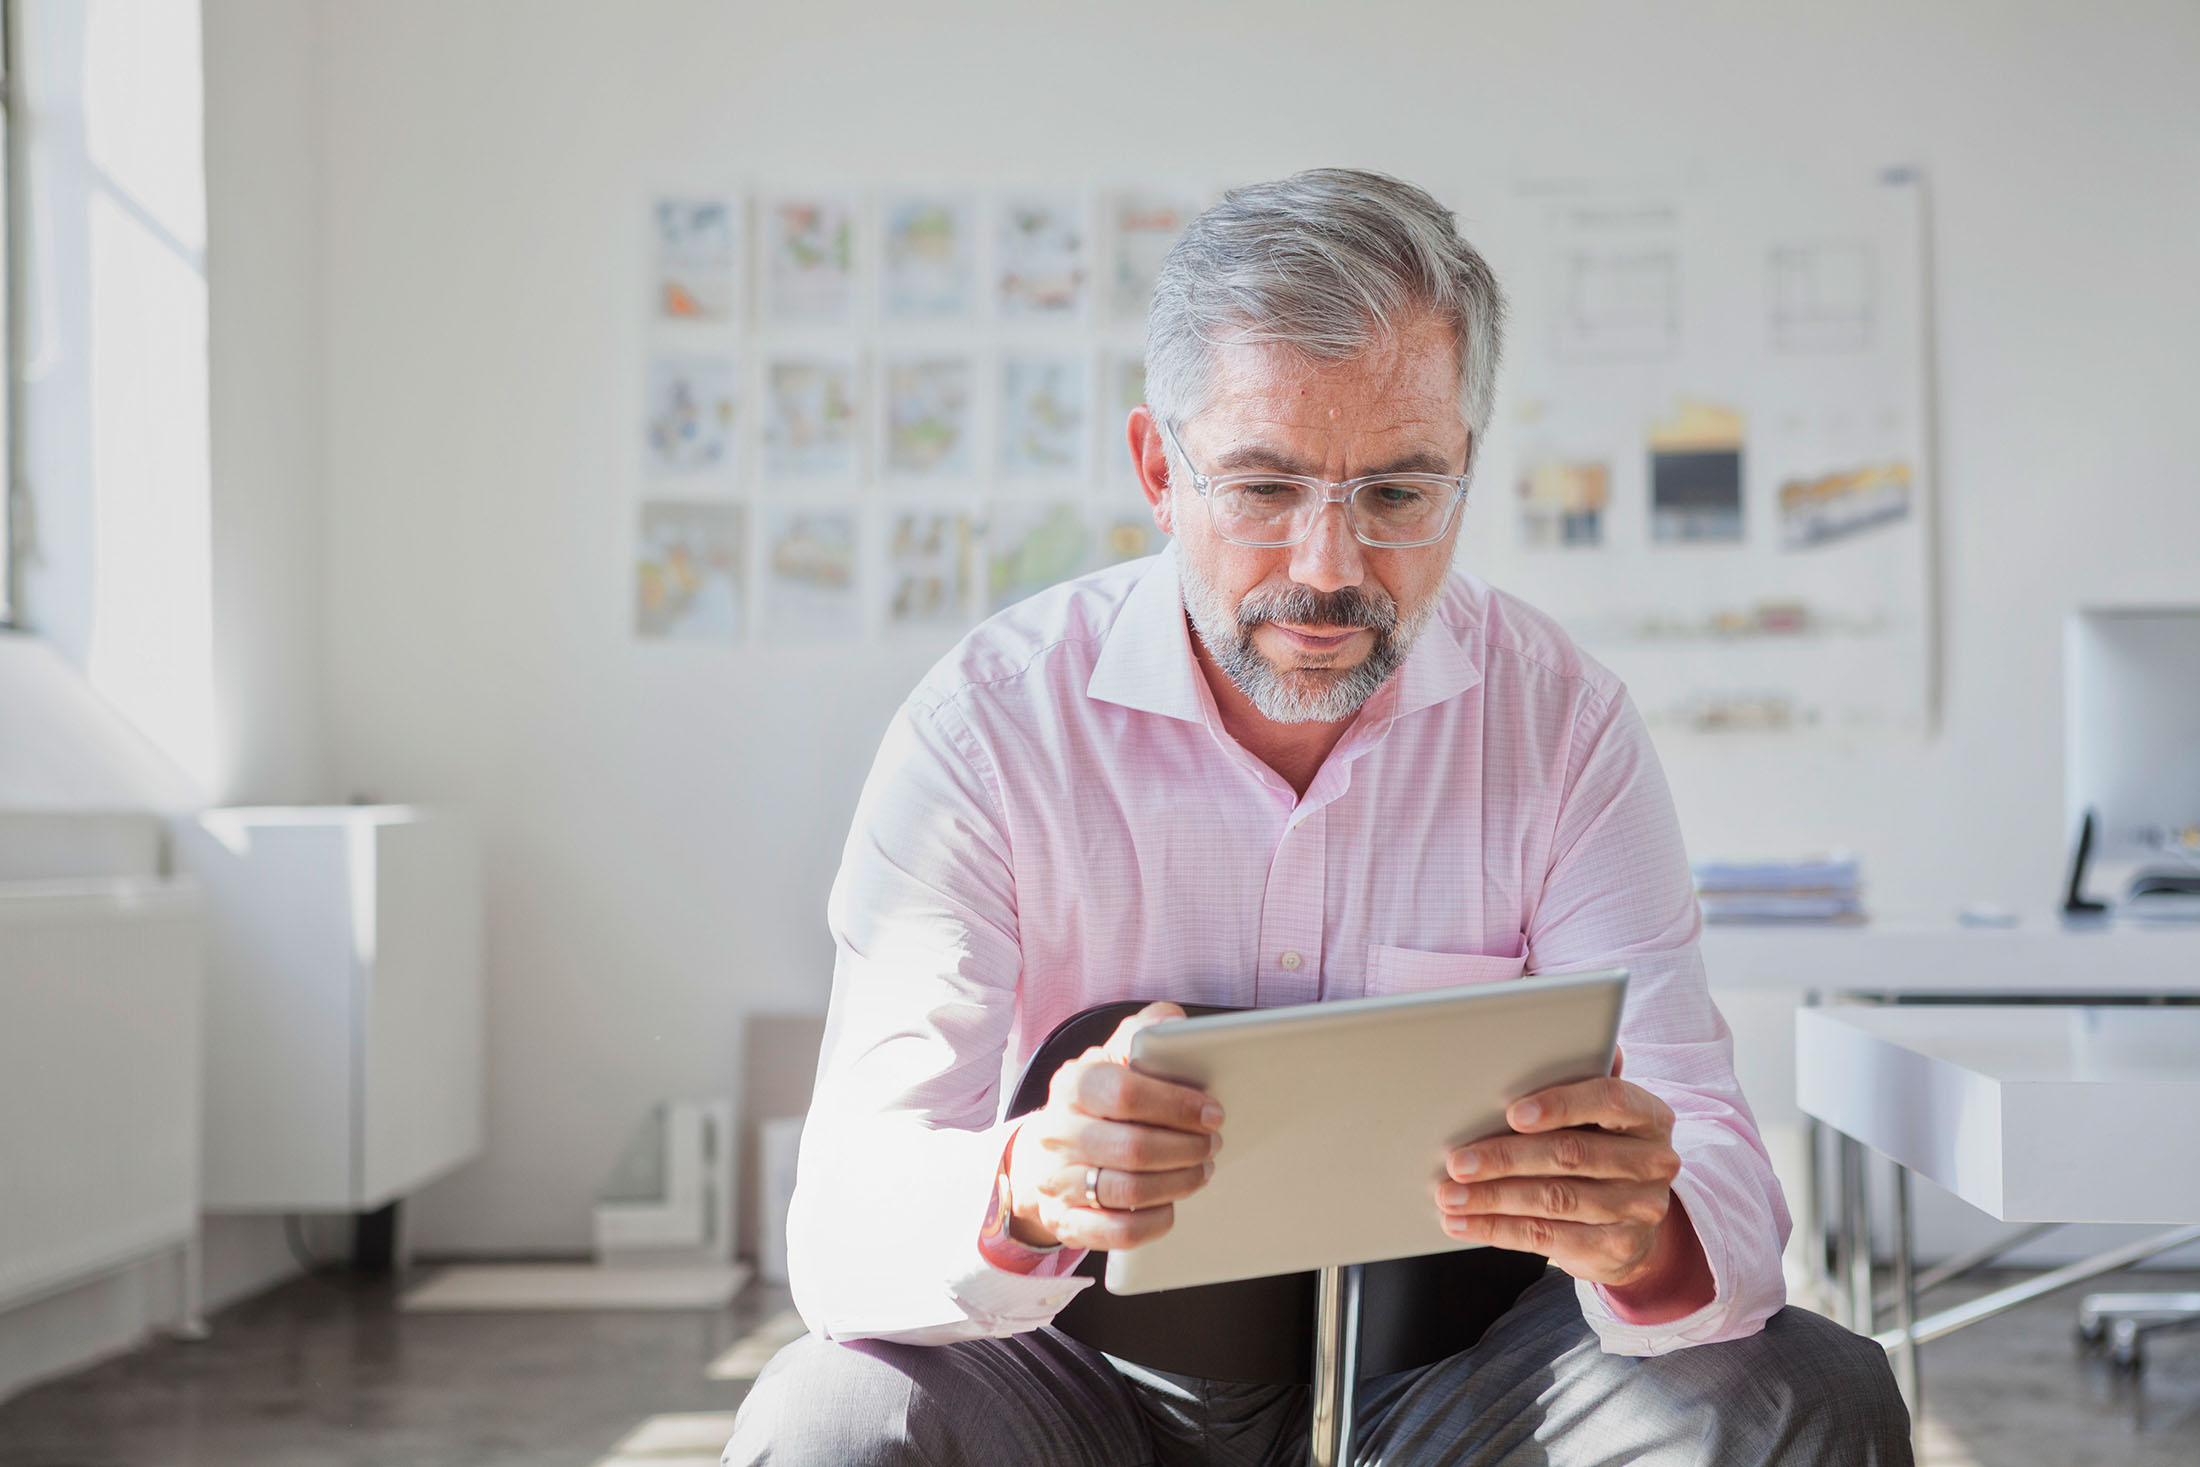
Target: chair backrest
1413,1311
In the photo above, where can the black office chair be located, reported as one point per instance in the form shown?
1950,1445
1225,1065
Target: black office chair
1327,1330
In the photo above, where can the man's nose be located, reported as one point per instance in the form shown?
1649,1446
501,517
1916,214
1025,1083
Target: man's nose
1330,558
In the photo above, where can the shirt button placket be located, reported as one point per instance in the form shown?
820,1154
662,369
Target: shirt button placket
1291,916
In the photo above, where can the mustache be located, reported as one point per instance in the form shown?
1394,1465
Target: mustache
1348,606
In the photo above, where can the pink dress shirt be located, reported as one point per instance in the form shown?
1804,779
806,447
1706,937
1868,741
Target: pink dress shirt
1057,819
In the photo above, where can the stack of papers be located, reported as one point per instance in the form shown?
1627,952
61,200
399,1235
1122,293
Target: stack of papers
1821,889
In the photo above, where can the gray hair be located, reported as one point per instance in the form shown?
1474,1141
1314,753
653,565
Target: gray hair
1326,263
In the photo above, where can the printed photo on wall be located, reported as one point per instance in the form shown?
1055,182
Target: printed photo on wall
1044,264
811,419
809,254
1145,228
925,407
688,572
698,259
928,257
1029,547
1696,475
928,555
690,414
1562,501
809,589
1044,424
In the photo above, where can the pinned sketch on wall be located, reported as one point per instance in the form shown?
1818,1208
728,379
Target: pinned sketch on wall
1696,474
1126,389
809,254
925,406
1127,532
811,427
1714,427
928,556
808,593
698,264
928,257
1145,227
1030,547
688,572
1562,502
1043,256
1044,423
690,407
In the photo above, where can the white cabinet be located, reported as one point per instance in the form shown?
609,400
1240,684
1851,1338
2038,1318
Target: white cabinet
343,1003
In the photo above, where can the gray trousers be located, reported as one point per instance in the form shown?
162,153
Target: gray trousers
1536,1390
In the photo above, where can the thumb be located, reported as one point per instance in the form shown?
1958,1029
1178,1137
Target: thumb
1617,1059
1119,1043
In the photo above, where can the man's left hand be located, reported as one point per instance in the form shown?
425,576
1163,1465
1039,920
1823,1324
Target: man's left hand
1586,1181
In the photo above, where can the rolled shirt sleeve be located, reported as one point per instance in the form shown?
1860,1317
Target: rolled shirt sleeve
903,1144
1619,891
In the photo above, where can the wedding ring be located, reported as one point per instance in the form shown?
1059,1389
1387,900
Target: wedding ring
1092,1187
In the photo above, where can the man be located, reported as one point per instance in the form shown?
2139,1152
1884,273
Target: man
1293,758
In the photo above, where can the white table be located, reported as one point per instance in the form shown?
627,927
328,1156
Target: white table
2040,1113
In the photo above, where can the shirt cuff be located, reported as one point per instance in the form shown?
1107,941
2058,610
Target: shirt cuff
1715,1322
1021,1286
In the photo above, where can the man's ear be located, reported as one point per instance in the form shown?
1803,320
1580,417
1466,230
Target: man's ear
1150,457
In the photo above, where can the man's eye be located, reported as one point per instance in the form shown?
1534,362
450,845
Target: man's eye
1398,496
1269,493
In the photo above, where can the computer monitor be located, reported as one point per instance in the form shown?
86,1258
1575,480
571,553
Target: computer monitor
2131,709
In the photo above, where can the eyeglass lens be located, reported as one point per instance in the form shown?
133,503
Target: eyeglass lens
1389,511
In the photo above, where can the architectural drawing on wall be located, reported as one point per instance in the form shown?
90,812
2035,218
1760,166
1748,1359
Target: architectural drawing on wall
928,554
1820,296
1618,307
809,587
1044,256
1045,426
1126,389
697,258
1030,547
1696,475
1562,502
928,257
1145,227
1830,507
690,411
925,409
808,249
811,428
688,563
1746,365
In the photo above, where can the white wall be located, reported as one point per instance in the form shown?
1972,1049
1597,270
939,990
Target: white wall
661,823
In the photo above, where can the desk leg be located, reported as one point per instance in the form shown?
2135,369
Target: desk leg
1856,1236
1905,1306
1336,1363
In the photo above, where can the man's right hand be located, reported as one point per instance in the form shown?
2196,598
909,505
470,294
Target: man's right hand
1152,1141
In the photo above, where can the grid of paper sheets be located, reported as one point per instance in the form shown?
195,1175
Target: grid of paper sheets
884,413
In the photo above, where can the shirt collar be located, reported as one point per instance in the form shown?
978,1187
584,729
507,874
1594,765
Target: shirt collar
1147,661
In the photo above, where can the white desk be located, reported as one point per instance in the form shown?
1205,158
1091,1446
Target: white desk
2041,1113
2039,956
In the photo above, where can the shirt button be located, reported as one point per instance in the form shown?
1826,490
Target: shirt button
1055,1300
1291,962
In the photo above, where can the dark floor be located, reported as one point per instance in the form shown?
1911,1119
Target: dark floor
315,1374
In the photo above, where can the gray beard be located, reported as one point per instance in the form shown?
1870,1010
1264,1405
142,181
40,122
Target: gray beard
1304,694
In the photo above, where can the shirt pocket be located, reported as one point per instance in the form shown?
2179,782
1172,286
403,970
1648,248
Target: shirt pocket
1406,970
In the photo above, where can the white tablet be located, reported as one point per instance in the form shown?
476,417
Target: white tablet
1337,1118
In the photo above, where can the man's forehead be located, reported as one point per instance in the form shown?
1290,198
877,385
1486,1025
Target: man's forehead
1269,407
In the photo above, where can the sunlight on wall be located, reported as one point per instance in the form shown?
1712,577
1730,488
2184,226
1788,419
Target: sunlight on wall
151,648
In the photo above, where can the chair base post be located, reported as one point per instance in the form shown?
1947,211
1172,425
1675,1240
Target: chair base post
1336,1363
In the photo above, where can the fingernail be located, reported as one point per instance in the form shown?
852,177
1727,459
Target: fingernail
1206,1170
1465,1164
1214,1142
1451,1196
1529,1112
1210,1115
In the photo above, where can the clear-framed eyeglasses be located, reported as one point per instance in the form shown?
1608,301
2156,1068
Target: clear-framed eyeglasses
1385,511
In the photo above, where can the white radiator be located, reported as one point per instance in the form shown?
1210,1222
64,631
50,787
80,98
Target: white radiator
100,995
